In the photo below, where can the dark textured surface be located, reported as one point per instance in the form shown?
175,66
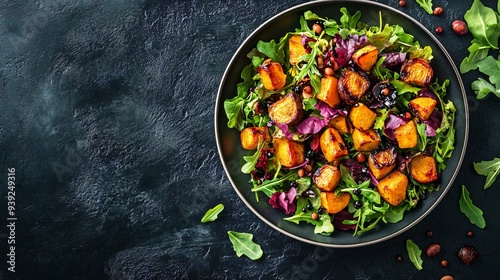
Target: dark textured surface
106,114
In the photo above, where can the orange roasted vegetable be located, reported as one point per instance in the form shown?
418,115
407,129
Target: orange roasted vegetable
272,75
406,135
382,162
288,152
365,141
361,116
296,49
423,168
366,57
328,92
353,85
339,123
287,110
334,203
422,107
327,177
251,136
393,188
417,71
332,145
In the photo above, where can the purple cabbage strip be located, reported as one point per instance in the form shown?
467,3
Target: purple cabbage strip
340,217
393,59
311,125
391,123
328,112
305,42
427,93
433,123
285,201
345,48
284,128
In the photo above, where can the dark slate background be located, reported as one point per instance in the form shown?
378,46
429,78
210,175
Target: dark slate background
106,114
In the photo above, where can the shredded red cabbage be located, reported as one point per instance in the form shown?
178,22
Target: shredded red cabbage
305,42
433,123
284,129
427,93
345,48
393,59
359,172
285,201
340,217
311,125
328,112
391,123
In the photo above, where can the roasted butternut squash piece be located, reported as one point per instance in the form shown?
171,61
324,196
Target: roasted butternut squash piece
406,135
423,168
334,203
392,188
288,152
353,85
332,145
327,177
422,107
417,71
296,49
272,75
328,92
361,116
251,136
365,141
381,162
366,57
340,124
287,110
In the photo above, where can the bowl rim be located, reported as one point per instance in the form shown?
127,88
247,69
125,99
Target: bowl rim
339,2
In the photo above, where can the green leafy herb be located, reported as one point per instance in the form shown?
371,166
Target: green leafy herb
243,245
414,253
269,186
426,5
212,214
490,169
272,50
471,211
422,138
482,22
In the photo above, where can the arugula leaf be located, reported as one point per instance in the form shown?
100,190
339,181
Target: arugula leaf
243,245
211,214
252,160
272,50
422,138
414,253
233,108
326,226
426,53
268,186
426,5
477,52
482,88
491,67
349,21
482,22
490,169
471,211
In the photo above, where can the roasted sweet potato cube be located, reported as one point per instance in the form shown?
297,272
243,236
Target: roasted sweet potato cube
332,145
423,107
365,141
327,177
353,85
366,57
393,188
251,136
340,124
406,135
423,168
287,110
288,152
328,92
382,162
272,75
361,116
334,203
295,49
417,71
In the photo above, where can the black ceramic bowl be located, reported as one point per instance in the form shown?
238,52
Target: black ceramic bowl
231,153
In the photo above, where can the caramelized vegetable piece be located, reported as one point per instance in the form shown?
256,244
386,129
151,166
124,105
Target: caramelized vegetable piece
272,75
288,152
362,117
328,92
417,71
353,85
296,49
340,124
393,188
327,177
422,107
334,203
251,136
365,141
406,135
332,145
287,110
423,168
366,57
382,162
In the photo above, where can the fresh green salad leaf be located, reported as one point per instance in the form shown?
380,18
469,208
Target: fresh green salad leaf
482,22
490,169
272,50
414,253
212,214
426,5
243,245
471,211
477,52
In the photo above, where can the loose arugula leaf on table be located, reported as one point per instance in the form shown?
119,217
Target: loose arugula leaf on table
471,211
482,22
490,169
490,67
477,52
212,214
243,245
414,253
426,5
